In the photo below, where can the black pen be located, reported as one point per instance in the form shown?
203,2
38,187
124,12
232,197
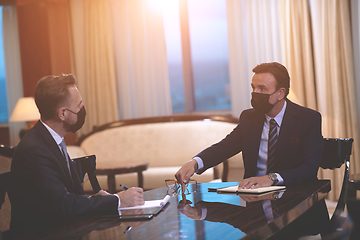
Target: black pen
124,187
128,228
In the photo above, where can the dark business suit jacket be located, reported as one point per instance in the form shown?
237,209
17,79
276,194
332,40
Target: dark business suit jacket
298,148
43,191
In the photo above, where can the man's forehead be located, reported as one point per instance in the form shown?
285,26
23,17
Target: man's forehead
265,79
75,95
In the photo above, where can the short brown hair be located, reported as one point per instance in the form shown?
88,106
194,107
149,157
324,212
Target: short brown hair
52,91
279,71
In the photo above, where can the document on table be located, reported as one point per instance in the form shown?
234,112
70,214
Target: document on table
234,189
150,204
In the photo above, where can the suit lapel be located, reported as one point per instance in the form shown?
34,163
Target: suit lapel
287,125
54,148
255,130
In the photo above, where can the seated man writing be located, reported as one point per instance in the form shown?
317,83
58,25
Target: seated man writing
46,188
281,142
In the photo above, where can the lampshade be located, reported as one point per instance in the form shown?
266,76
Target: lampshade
25,110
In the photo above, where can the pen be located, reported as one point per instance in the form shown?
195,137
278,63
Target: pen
127,229
124,187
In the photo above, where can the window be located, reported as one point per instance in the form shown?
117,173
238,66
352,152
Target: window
3,101
197,45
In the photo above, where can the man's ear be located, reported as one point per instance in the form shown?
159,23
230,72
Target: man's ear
61,113
282,92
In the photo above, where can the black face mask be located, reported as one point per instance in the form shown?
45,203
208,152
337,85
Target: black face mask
260,102
80,120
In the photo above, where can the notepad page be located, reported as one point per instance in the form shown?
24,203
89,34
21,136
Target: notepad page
255,190
150,204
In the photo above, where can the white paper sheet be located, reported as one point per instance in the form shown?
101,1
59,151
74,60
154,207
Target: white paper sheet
150,204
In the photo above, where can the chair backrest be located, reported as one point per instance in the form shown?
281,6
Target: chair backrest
6,154
5,207
4,181
336,151
87,165
7,151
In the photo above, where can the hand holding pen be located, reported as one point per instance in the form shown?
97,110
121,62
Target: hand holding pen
124,187
131,196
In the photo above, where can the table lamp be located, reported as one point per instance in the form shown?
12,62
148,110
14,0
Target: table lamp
25,111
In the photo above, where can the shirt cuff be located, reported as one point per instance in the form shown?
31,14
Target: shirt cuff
199,162
203,213
281,180
119,203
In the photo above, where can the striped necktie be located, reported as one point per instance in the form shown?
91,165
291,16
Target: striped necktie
273,135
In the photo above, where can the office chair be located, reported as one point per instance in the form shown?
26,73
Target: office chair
6,154
7,151
336,152
4,180
87,165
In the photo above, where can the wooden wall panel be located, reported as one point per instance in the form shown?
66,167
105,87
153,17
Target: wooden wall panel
59,37
34,44
44,42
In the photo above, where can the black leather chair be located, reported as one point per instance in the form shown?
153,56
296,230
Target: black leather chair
336,152
87,165
6,151
4,180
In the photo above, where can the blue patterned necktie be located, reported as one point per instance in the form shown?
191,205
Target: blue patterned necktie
273,135
64,151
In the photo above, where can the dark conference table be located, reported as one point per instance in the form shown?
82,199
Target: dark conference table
226,217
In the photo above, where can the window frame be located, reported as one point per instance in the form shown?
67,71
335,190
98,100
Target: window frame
187,65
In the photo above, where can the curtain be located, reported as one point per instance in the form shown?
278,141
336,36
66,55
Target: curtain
254,38
119,57
297,50
141,60
93,61
335,83
14,87
355,23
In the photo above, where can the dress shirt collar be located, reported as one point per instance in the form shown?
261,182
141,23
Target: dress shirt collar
278,118
55,136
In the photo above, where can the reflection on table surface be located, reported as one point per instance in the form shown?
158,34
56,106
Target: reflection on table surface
228,216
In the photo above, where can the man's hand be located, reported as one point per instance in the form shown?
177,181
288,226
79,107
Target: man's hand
185,172
131,197
189,211
255,182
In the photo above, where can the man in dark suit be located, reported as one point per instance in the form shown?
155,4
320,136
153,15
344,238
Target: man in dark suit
45,187
281,142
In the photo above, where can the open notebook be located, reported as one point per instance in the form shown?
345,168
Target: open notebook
234,189
147,211
150,204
